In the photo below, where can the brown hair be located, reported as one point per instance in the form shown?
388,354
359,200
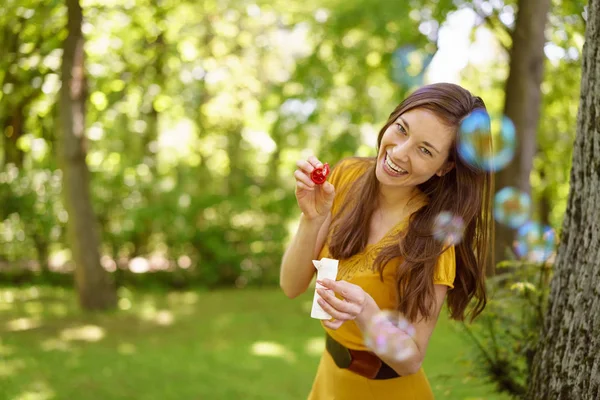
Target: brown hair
465,191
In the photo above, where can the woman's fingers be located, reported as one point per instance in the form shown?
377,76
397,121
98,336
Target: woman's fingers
338,304
333,324
309,164
303,181
349,291
305,166
314,162
334,312
328,188
302,186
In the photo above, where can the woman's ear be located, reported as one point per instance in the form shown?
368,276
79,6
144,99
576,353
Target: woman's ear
445,169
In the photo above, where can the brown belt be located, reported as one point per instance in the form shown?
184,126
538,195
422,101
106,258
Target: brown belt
363,363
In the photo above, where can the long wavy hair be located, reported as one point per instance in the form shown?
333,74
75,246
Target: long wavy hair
464,191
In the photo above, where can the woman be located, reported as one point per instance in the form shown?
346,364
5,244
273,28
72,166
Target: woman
376,216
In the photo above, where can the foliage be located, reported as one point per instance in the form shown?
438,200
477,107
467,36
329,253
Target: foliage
560,89
507,334
197,113
28,198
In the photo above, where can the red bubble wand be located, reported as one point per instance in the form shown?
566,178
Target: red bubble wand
319,175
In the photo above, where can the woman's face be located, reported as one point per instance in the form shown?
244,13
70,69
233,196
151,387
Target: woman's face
413,149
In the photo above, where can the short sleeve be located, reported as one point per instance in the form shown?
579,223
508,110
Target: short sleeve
343,175
345,171
445,269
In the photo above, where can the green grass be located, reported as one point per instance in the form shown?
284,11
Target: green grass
231,344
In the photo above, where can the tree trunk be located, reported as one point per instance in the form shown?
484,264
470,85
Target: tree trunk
567,363
545,202
93,283
522,104
12,134
235,152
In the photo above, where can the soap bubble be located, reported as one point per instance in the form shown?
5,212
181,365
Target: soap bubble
535,242
448,228
391,334
409,65
512,207
485,146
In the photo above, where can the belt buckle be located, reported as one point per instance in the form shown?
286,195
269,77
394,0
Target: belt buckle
365,364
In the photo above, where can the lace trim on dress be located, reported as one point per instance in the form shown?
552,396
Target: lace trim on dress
364,262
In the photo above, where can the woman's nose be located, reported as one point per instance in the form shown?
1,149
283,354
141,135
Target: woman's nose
400,152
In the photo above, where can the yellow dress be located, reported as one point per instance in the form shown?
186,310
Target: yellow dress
334,383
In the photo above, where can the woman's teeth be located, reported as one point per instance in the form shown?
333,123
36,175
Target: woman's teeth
393,166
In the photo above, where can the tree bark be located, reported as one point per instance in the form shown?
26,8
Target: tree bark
12,133
12,128
567,363
93,283
522,104
545,202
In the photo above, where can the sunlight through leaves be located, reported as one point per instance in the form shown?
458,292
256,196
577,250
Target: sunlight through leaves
315,346
126,348
86,333
54,344
22,324
272,349
38,390
11,367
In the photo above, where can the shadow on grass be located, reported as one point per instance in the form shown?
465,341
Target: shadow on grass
228,344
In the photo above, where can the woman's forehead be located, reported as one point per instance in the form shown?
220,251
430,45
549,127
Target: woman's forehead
422,122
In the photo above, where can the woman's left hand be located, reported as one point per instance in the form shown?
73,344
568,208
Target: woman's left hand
351,306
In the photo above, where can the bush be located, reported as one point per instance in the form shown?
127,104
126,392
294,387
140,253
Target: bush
507,332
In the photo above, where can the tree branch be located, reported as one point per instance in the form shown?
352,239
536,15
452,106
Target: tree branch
495,25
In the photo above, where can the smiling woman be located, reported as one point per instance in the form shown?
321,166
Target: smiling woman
377,217
411,152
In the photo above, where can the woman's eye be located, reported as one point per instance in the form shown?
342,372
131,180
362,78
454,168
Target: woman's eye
425,151
400,128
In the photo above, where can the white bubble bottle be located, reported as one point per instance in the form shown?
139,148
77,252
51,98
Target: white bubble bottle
327,268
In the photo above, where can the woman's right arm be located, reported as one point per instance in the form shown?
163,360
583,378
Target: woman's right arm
297,269
315,201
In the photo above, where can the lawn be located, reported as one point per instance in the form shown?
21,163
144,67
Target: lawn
229,344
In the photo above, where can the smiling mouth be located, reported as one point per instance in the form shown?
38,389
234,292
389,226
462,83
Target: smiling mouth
393,167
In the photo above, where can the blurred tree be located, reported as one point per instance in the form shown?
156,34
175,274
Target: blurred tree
567,362
28,35
198,111
556,129
31,34
93,283
550,177
522,104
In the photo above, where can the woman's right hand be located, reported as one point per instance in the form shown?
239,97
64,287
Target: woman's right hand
314,200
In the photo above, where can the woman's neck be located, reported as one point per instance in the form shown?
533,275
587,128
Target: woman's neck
394,200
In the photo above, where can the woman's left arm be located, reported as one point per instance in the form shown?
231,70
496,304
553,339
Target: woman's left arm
358,305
